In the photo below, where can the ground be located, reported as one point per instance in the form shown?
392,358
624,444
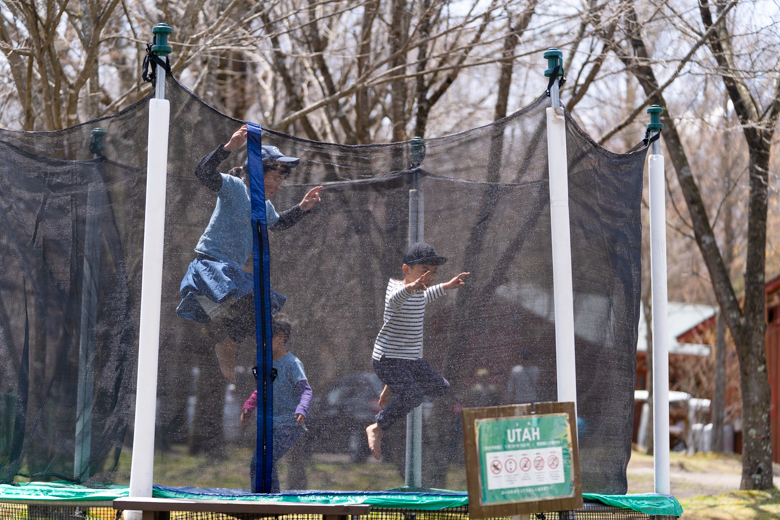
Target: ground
707,484
691,476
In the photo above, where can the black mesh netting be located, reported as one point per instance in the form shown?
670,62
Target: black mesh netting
71,232
591,511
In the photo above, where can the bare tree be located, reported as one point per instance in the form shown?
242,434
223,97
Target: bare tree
51,74
747,323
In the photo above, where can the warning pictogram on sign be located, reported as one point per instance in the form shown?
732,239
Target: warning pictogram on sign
538,463
552,461
510,465
495,467
525,464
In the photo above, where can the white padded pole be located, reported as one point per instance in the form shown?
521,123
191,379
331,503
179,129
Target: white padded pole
660,327
561,256
142,466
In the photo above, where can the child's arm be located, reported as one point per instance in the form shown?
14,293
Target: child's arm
420,284
302,410
237,140
438,290
403,292
455,282
249,408
292,216
310,199
206,171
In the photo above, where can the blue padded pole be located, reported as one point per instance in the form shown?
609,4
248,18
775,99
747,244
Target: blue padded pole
265,395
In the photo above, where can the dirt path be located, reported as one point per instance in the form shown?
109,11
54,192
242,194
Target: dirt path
700,474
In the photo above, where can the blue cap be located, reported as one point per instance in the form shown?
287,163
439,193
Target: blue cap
273,153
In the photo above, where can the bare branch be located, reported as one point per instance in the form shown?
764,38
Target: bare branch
650,98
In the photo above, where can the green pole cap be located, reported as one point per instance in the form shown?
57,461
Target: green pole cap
160,42
655,112
554,58
418,151
96,140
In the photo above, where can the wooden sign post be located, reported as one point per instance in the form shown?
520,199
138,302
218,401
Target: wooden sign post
521,459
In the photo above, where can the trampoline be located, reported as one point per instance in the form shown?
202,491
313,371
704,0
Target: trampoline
74,501
74,203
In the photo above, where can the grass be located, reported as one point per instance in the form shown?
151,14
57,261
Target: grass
706,485
736,505
177,467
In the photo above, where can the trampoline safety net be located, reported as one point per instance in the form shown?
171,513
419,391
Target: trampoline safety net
46,512
72,210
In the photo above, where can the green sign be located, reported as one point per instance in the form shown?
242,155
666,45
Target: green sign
525,458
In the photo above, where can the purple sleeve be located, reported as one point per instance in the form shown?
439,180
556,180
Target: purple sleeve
305,390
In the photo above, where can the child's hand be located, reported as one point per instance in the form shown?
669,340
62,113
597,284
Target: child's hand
246,414
237,140
300,419
385,396
455,282
420,284
311,198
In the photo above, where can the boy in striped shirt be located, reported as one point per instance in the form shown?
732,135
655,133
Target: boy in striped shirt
397,357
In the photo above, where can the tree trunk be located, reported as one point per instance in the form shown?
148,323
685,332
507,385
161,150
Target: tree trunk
398,36
421,94
751,344
362,101
507,62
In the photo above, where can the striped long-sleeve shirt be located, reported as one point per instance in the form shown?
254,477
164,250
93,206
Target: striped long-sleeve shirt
402,332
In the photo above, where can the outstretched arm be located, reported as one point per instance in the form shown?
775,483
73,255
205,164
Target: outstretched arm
206,170
311,198
292,216
420,284
289,218
403,292
455,282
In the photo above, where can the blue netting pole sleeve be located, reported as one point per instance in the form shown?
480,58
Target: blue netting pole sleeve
265,400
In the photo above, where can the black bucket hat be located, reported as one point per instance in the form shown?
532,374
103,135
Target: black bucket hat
422,253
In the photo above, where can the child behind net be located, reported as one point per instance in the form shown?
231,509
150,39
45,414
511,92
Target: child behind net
292,397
